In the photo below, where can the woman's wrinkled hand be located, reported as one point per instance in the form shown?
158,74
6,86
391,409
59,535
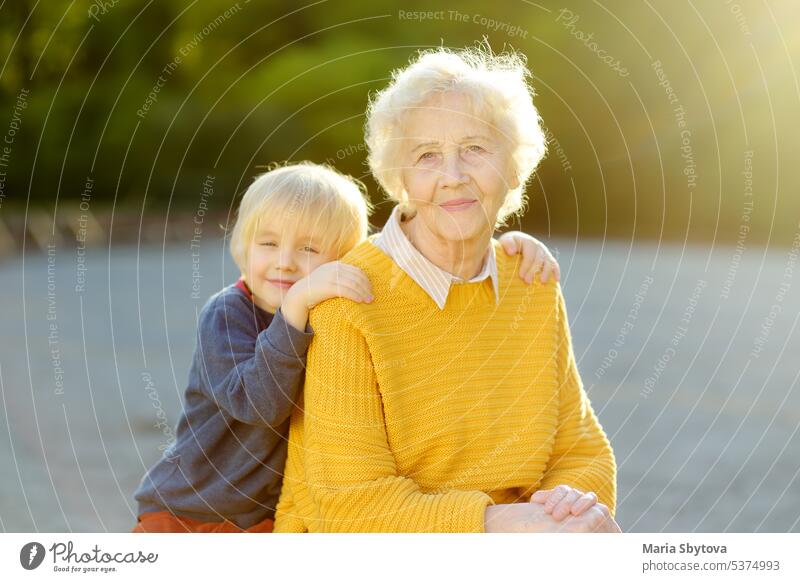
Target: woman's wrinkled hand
564,500
531,518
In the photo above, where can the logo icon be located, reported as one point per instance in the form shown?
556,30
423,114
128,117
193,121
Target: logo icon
31,555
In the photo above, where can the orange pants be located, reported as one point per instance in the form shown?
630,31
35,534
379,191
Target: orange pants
166,522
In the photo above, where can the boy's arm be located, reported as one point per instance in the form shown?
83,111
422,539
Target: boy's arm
255,379
582,457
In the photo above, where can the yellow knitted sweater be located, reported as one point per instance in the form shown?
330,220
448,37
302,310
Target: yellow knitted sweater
415,418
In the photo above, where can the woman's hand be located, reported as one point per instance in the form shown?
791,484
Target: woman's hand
334,279
536,257
531,518
564,500
596,519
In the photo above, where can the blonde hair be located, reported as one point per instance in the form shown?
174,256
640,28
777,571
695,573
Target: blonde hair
313,195
498,90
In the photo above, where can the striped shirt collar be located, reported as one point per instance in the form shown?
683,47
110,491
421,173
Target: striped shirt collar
434,281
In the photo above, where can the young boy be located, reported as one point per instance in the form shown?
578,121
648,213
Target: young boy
224,471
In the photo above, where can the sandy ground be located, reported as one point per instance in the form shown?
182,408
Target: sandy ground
706,440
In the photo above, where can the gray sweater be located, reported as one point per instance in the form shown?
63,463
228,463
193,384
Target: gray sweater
228,457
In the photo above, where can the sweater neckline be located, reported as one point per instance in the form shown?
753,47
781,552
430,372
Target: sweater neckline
461,295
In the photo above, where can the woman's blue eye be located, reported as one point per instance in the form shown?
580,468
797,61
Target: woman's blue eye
476,149
309,249
427,156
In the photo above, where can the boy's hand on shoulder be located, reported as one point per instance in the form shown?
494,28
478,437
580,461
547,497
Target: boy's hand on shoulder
536,257
334,279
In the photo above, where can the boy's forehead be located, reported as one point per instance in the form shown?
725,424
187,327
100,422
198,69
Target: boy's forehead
286,227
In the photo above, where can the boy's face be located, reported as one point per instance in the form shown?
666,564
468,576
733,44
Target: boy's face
278,257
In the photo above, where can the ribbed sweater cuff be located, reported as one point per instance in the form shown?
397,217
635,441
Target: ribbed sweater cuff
467,512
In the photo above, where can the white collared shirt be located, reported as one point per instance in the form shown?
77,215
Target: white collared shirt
434,281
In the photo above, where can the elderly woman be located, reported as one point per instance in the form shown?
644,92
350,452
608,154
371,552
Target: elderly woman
444,404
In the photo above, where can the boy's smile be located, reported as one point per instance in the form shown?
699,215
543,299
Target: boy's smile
278,257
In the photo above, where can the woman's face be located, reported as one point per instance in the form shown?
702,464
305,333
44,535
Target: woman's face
456,168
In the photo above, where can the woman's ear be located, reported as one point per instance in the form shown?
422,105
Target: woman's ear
513,176
513,182
407,209
405,200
